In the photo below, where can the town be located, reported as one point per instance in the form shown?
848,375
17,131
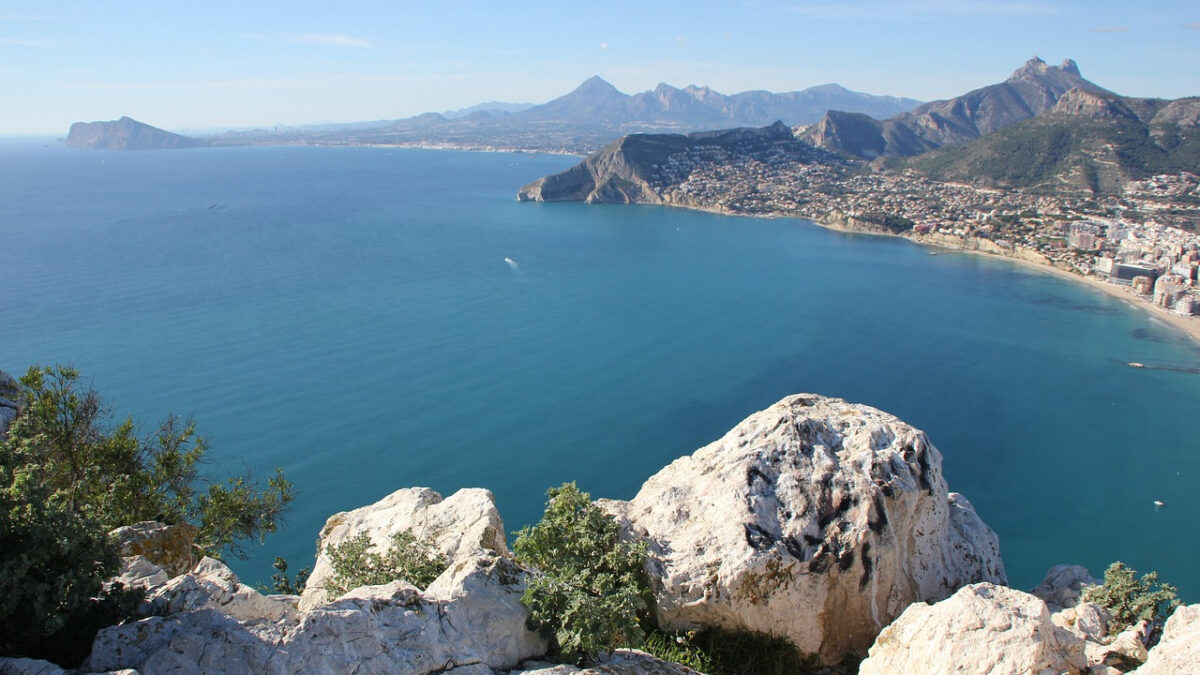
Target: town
1144,239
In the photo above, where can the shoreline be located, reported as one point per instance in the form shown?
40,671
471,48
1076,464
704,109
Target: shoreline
1188,326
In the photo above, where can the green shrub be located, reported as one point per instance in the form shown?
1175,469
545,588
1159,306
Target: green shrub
587,588
1129,599
282,583
722,652
407,559
66,479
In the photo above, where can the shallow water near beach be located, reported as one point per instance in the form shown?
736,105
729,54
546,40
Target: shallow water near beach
371,319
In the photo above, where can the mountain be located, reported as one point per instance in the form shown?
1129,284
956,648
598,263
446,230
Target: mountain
1091,141
595,112
127,134
1031,90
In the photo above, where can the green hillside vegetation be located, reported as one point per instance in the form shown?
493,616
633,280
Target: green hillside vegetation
1074,152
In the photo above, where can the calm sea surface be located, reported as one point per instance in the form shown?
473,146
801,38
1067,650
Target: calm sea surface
350,315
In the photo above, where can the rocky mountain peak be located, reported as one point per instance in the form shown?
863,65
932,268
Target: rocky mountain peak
1069,66
596,85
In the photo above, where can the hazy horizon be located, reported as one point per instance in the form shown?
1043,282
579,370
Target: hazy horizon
238,65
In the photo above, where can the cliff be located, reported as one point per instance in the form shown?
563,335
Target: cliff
127,134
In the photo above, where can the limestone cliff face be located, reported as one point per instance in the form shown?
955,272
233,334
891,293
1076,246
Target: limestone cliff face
126,134
626,171
815,520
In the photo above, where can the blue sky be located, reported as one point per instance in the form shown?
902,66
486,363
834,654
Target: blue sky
220,64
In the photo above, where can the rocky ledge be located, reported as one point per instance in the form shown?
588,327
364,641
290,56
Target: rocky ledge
818,521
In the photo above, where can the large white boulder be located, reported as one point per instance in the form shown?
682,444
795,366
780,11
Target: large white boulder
463,526
984,629
815,520
1179,649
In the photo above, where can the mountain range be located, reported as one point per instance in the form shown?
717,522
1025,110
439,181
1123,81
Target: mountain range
592,115
1045,127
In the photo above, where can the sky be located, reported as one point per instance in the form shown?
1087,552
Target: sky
257,63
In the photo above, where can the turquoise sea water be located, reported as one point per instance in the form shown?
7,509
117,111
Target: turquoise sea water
349,314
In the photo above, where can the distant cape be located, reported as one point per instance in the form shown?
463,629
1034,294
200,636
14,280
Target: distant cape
126,134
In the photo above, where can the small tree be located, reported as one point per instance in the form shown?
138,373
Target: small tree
1129,599
406,559
588,587
66,479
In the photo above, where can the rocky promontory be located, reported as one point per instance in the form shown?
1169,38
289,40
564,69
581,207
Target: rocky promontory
821,522
637,167
127,134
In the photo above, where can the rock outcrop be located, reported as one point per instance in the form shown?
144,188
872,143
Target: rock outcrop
815,520
171,547
127,134
469,620
635,168
983,628
461,527
1179,649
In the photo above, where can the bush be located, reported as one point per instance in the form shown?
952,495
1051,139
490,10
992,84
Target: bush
282,583
1129,599
587,588
407,559
722,652
66,480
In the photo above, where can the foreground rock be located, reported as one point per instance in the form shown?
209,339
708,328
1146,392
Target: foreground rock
1179,649
469,620
983,628
815,520
462,527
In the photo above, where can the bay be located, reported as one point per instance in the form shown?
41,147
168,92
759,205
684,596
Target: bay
370,319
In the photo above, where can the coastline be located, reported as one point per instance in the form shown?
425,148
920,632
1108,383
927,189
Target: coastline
1189,326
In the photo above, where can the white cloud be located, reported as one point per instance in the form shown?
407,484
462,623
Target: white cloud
604,46
326,40
1111,29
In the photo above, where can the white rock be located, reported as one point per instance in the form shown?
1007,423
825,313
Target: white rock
10,666
1091,621
462,526
472,622
138,572
212,585
1179,649
1128,646
1063,585
815,520
983,628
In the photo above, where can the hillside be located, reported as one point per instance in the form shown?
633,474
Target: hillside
126,134
647,168
1031,90
1094,142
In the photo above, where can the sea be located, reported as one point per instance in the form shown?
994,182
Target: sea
370,319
